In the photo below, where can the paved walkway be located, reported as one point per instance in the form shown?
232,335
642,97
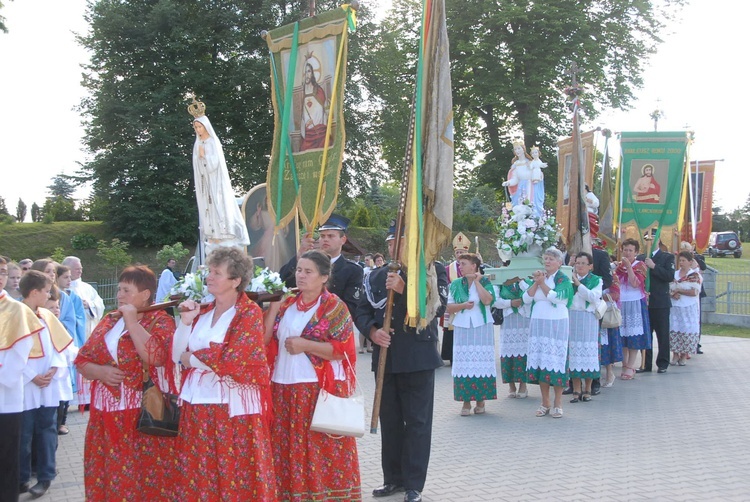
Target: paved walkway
680,436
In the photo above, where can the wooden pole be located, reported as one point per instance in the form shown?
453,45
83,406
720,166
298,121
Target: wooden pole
312,8
393,267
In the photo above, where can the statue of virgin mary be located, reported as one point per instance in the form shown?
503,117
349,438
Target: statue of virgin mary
219,216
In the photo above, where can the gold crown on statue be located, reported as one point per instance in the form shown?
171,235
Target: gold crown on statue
196,108
535,147
518,142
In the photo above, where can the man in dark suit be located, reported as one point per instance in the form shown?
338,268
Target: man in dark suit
346,275
409,379
661,273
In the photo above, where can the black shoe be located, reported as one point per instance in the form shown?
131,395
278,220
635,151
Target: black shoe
644,370
23,488
568,391
595,391
412,496
387,489
699,351
662,370
39,489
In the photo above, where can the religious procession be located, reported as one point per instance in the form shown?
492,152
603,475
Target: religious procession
237,381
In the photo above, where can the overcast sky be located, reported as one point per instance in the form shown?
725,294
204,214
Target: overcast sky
697,76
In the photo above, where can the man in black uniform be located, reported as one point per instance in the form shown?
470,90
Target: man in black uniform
661,273
346,275
409,380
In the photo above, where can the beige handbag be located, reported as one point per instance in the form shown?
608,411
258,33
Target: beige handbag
612,317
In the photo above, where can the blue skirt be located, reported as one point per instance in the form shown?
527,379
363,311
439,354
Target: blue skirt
643,341
612,352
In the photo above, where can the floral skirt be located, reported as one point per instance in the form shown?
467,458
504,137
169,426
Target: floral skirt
120,463
474,388
513,369
611,352
684,329
310,466
224,458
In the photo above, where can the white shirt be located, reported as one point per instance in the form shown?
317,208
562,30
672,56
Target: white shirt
203,386
12,363
166,281
628,293
547,307
505,304
583,295
297,368
592,203
34,396
470,318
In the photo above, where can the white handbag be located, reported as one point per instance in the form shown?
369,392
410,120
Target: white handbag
340,416
601,308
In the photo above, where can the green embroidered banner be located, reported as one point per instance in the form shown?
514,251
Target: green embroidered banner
651,183
308,71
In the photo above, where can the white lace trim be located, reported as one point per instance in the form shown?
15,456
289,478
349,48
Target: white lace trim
514,336
474,352
548,344
632,320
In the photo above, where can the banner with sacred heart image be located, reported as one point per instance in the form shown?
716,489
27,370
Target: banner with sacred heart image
308,72
652,184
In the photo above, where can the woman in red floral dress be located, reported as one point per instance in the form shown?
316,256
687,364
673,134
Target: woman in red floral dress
224,443
312,332
121,463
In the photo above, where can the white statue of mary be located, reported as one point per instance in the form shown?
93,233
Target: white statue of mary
219,216
525,178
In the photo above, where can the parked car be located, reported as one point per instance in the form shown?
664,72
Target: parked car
724,244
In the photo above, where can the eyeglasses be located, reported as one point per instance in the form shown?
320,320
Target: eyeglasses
25,269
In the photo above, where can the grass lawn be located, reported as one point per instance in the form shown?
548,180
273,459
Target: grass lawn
721,330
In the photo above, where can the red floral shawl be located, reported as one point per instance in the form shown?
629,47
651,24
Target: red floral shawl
240,360
331,323
160,345
640,270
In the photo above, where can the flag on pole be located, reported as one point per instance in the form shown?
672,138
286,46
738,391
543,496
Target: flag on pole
606,203
429,203
308,71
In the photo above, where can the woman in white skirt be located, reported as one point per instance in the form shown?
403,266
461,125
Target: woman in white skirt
474,369
635,329
549,296
514,337
583,344
684,316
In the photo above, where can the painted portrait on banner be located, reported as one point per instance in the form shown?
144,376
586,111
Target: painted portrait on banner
647,179
266,250
313,83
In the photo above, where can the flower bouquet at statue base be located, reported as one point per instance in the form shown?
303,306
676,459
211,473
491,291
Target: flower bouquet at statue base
522,237
192,286
266,286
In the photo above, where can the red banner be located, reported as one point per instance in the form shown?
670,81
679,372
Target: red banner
702,180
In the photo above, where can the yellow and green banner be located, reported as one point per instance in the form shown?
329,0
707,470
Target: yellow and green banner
651,184
308,71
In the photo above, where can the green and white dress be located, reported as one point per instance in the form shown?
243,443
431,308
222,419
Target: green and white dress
514,333
474,369
549,328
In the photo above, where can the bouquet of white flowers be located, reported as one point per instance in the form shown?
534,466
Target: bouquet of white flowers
266,281
191,286
520,229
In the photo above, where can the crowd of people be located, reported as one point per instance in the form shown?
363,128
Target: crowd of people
248,378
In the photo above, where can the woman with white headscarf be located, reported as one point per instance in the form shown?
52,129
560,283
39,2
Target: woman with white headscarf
220,218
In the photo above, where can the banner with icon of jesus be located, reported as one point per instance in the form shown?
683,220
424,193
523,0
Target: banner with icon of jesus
308,72
651,184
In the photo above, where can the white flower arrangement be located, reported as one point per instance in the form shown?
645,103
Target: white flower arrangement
266,281
191,286
520,229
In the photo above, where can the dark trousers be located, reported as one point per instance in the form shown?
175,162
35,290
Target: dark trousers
659,320
10,445
406,423
446,350
40,427
62,413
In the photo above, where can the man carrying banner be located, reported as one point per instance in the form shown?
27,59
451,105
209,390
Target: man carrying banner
409,377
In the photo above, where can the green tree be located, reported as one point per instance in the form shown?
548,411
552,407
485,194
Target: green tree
146,56
115,253
58,254
3,207
510,65
3,28
61,187
174,252
20,211
61,209
36,213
